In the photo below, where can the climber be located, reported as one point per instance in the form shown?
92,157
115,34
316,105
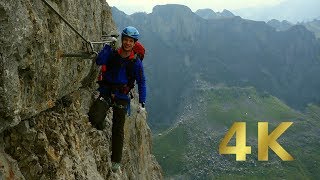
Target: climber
123,69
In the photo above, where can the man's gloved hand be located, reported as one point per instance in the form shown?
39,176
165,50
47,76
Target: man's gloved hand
141,107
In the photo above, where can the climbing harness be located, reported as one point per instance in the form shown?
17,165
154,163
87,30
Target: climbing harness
111,103
106,39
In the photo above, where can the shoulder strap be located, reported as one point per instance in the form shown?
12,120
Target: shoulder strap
114,59
130,71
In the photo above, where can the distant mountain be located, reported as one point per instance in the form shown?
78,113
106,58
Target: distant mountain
226,13
280,26
313,26
206,13
291,10
183,48
210,14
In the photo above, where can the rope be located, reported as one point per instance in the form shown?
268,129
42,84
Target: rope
64,20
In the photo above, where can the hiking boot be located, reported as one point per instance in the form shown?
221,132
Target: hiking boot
115,166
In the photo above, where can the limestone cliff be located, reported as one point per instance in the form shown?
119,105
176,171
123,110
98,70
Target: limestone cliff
44,99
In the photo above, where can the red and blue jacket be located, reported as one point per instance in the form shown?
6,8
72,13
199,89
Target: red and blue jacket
117,72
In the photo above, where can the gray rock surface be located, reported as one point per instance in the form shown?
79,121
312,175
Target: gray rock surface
44,99
33,77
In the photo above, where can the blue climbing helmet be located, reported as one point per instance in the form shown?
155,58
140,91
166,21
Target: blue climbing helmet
131,32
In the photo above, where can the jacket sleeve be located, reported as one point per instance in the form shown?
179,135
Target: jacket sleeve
141,81
103,55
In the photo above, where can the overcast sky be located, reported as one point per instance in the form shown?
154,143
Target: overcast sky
131,6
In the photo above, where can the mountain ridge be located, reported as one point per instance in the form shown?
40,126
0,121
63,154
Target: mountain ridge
232,51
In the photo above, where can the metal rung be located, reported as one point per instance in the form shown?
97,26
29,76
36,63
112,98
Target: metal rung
112,35
83,55
102,42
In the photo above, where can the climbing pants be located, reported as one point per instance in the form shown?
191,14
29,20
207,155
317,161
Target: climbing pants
97,114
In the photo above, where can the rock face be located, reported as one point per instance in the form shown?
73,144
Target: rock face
32,76
44,99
